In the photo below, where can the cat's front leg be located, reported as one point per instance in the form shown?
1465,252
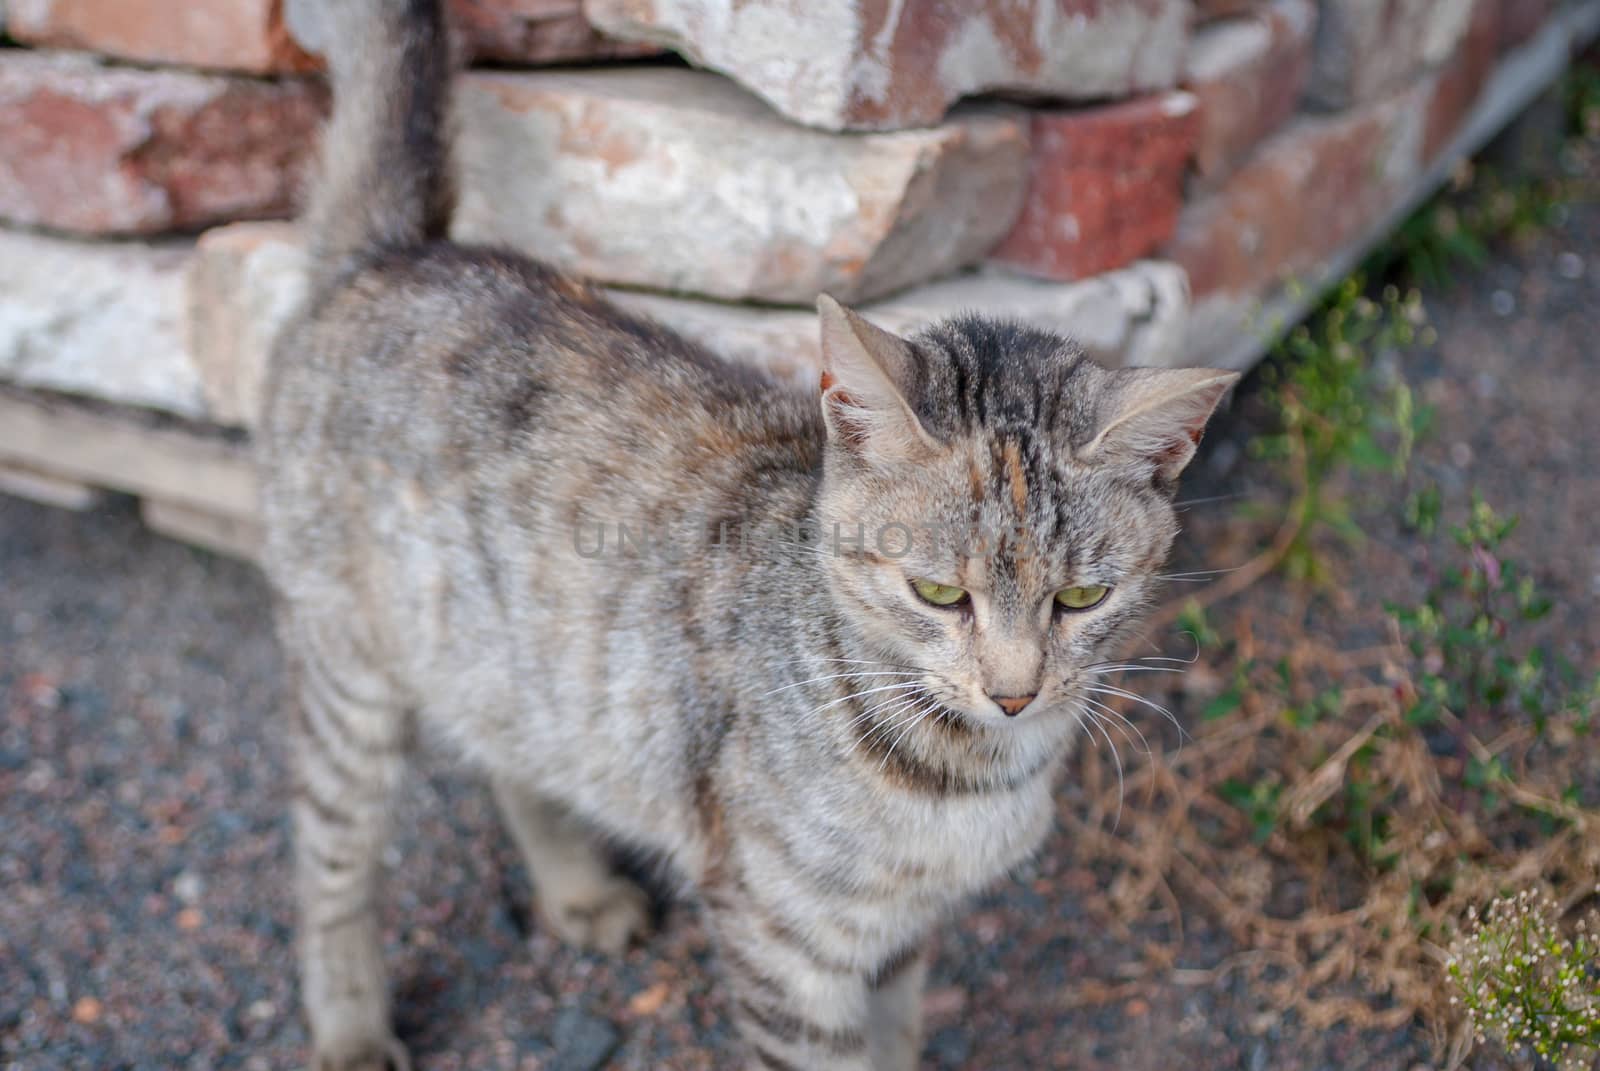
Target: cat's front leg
895,1016
798,1006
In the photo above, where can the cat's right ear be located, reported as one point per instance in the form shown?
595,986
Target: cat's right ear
862,403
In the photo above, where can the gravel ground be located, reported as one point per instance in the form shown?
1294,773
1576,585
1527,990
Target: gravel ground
145,918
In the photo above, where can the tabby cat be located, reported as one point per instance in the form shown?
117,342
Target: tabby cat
831,670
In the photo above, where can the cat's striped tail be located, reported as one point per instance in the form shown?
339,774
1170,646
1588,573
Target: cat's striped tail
387,180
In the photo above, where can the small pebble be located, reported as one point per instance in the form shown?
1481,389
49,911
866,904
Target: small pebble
262,1011
583,1042
649,1001
1570,265
950,1047
188,887
189,919
1460,455
945,1001
86,1010
1502,303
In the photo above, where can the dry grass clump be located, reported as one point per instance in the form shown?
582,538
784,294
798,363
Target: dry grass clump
1341,846
1351,814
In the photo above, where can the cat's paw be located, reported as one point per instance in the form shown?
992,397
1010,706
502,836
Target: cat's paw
372,1054
606,918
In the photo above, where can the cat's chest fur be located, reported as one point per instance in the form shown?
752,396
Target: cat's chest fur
870,865
939,854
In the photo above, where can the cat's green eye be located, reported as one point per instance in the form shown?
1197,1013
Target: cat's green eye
1082,598
946,595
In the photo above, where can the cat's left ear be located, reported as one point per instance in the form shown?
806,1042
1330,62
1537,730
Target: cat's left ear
1155,416
865,370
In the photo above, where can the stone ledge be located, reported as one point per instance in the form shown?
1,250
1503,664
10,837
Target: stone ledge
278,36
127,450
236,537
36,486
102,319
1135,316
507,31
1248,73
841,64
246,278
680,181
1365,49
188,328
1235,329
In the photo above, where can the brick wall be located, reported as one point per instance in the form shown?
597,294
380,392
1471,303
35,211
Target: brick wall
1140,173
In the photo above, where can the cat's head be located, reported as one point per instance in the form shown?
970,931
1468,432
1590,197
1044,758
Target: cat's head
1002,503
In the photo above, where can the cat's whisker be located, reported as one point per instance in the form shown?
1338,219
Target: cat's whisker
1099,671
851,662
1107,689
1204,574
1101,688
838,676
1123,724
858,695
1145,639
894,705
1207,500
898,717
887,712
922,716
1094,721
888,724
1131,660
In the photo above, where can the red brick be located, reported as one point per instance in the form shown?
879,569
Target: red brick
536,31
1248,74
511,31
1368,48
1106,186
252,35
239,35
1206,10
104,150
1309,191
1521,19
1456,87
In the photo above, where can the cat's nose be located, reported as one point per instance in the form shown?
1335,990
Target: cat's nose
1012,704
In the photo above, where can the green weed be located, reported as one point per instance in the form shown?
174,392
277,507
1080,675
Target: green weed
1339,412
1528,985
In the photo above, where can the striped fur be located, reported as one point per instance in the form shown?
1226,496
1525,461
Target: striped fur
783,720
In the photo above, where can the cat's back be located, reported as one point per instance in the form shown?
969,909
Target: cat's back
483,347
444,380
